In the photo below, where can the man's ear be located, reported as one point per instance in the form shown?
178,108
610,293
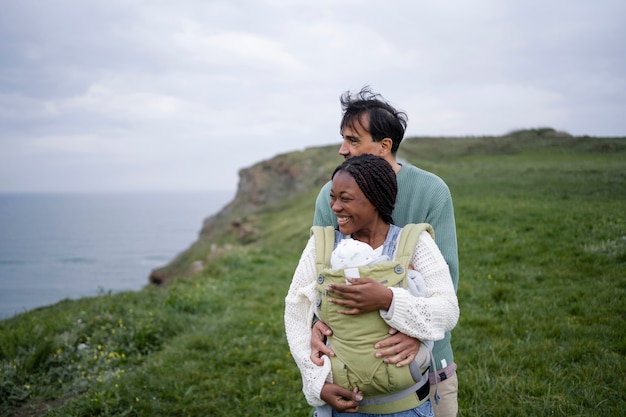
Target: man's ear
385,147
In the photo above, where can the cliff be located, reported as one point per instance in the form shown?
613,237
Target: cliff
261,187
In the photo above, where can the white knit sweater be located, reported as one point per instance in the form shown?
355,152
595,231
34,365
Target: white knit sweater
424,318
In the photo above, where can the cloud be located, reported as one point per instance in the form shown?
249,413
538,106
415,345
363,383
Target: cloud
159,95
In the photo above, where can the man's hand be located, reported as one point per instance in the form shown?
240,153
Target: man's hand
363,295
319,332
398,349
341,399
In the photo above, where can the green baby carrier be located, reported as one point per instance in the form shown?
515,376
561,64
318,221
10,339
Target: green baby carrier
386,388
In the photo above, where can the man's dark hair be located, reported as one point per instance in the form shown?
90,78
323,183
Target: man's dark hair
384,120
376,178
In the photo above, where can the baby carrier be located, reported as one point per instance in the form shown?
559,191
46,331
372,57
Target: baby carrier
386,388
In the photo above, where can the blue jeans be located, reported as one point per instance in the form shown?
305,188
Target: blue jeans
424,410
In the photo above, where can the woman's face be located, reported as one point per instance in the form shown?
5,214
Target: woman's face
355,213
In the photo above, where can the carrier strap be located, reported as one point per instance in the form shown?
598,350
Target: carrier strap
324,245
409,236
423,382
325,239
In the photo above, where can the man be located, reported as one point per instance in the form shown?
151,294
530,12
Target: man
371,125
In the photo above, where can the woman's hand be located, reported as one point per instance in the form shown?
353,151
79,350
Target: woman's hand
362,296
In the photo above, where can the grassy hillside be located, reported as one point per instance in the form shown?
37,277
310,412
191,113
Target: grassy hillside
542,246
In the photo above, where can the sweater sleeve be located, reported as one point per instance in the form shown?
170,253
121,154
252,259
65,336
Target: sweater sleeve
324,216
299,308
423,197
426,318
441,218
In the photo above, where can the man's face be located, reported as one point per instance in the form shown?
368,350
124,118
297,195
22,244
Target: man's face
357,140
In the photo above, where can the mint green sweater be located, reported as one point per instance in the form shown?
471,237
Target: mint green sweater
422,197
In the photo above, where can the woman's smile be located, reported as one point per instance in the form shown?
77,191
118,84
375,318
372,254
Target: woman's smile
342,220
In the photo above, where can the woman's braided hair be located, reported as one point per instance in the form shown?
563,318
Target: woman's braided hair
376,178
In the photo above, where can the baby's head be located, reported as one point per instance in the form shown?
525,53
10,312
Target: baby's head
350,253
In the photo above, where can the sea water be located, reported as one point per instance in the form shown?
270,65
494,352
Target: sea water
67,246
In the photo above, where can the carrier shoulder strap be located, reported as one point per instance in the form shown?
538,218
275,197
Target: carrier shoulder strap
408,240
324,245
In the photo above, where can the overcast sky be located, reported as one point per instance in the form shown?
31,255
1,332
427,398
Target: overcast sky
129,95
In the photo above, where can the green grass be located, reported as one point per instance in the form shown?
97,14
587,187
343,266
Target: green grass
541,223
543,255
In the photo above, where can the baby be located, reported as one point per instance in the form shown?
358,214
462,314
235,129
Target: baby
350,254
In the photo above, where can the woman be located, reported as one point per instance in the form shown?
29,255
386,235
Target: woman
362,197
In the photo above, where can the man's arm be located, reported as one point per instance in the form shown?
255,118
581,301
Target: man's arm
319,332
442,220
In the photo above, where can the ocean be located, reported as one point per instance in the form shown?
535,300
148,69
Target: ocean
67,246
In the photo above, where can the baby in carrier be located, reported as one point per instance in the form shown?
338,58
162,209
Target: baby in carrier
354,364
349,254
